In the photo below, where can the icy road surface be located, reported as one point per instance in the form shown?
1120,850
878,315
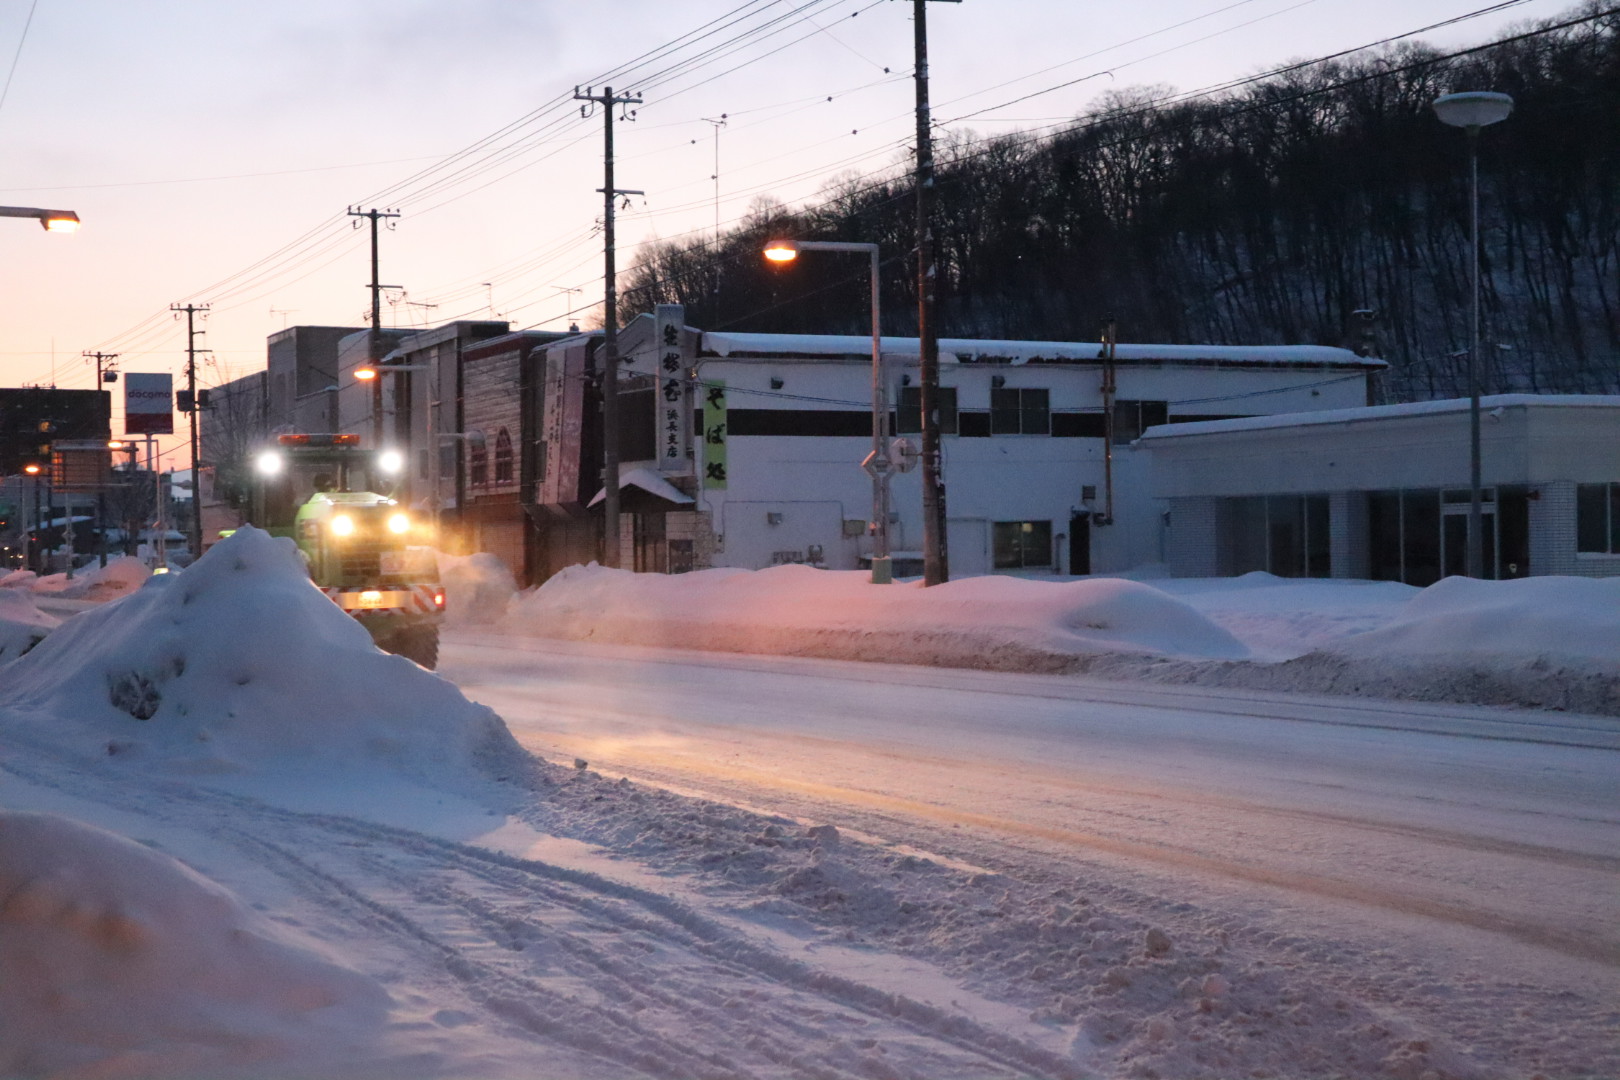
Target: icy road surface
1456,863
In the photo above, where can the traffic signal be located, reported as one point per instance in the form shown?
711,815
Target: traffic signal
183,401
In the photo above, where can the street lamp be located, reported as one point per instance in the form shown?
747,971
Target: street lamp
52,220
1472,110
35,471
878,463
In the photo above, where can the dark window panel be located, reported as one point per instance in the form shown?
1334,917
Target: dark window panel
908,412
824,423
1591,517
1077,425
1005,414
1035,410
973,425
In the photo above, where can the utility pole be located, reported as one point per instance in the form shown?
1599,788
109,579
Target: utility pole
374,346
936,562
610,323
192,311
104,360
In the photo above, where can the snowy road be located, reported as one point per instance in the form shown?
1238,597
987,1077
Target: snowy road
1473,846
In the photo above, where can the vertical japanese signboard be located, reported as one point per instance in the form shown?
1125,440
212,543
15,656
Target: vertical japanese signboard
562,425
674,410
148,404
714,434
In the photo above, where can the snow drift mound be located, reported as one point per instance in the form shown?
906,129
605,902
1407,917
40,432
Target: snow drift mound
239,663
22,624
477,588
116,960
995,622
120,576
1562,620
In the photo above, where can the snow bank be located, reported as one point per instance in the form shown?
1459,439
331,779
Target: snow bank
1563,619
17,579
239,663
120,576
477,588
22,624
116,960
975,622
1281,618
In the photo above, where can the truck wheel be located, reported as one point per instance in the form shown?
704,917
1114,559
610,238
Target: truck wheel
418,643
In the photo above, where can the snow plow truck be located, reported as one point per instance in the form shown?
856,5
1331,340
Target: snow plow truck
369,554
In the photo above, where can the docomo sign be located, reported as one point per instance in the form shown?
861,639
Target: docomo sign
148,404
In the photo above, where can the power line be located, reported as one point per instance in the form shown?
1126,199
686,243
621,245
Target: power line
16,56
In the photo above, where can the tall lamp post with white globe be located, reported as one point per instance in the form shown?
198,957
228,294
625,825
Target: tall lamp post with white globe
1472,110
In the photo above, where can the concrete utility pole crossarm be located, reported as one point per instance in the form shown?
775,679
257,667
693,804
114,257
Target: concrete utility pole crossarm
610,322
106,370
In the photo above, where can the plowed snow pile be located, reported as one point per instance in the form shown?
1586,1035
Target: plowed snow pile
116,960
22,624
1563,620
240,664
120,576
975,622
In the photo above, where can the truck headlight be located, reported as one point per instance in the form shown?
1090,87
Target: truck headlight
268,463
342,525
398,523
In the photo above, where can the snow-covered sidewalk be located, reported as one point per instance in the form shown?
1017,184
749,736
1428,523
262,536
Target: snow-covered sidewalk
1532,642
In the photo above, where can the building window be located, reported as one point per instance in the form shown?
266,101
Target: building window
1285,535
1597,519
503,457
1020,411
908,418
477,463
1018,545
1131,418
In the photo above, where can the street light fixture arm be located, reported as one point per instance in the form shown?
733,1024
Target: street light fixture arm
878,463
50,220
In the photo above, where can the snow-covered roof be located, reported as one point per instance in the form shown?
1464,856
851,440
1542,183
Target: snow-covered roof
1381,412
985,351
647,481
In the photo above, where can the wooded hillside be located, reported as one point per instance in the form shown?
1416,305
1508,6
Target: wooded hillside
1271,214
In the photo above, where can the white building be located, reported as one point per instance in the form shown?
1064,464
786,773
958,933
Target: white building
1384,492
780,424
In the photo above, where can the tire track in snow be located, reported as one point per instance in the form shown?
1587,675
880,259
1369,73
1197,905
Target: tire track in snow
671,1017
1580,945
631,908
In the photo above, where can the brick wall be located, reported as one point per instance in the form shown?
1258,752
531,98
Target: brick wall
1552,536
698,527
1348,537
1552,529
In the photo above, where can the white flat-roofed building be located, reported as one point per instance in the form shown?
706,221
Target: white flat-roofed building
781,423
1384,492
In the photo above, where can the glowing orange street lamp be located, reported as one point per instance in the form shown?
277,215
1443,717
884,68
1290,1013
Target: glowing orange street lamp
782,251
51,220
